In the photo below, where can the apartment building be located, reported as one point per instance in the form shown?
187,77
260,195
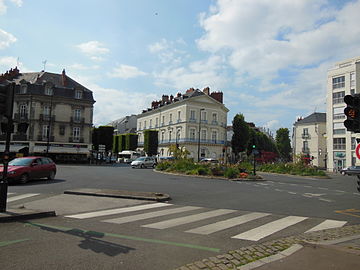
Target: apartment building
58,111
343,79
309,139
195,120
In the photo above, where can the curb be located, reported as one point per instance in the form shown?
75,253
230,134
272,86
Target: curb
124,194
20,214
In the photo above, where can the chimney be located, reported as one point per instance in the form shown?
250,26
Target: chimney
63,77
178,95
190,90
171,98
206,91
217,96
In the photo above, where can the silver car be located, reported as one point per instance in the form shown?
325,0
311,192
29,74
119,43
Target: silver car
143,162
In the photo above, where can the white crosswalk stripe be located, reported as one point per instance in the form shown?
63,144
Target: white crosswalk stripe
327,224
265,230
188,219
151,215
226,224
118,210
20,197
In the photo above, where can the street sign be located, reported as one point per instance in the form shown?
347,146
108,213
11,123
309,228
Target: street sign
357,151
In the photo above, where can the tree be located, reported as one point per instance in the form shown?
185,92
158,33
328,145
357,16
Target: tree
179,152
240,138
151,142
283,143
131,141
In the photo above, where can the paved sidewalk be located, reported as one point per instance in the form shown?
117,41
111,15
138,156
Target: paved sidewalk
292,253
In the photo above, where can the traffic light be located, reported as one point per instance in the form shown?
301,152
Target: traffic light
352,111
7,99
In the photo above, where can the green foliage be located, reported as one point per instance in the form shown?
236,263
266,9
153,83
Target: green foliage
115,148
240,138
291,168
179,153
151,142
122,143
231,172
131,141
283,143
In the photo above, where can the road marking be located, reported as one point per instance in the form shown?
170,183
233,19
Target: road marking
118,210
265,230
128,237
279,189
20,197
324,188
308,186
356,194
151,215
293,184
327,224
225,224
339,190
188,219
6,243
290,192
350,212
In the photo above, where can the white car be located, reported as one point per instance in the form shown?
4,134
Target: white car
143,162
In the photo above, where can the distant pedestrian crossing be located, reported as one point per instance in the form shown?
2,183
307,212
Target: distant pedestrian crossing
12,197
250,226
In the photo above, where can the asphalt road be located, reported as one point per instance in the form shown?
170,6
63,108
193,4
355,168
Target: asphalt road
165,236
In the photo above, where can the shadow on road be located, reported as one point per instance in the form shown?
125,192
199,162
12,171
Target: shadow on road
90,240
34,182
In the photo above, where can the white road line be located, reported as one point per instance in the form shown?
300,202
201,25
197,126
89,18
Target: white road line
10,193
188,219
324,188
308,186
357,194
290,192
225,224
327,224
339,190
20,197
325,200
278,189
150,215
265,230
293,184
118,210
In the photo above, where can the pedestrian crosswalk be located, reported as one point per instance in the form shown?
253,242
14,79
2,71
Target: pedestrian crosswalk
12,197
240,225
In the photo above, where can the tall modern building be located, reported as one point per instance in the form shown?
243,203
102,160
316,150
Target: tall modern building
195,120
343,79
58,111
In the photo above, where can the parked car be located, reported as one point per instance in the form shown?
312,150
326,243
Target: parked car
209,160
352,170
26,168
143,162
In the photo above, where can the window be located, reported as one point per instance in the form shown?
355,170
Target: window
352,91
192,115
48,90
170,117
163,120
162,136
305,131
23,111
156,122
338,97
77,114
338,113
338,82
78,94
62,130
339,128
23,89
145,124
76,134
352,79
214,136
192,134
45,131
339,143
203,135
179,116
170,135
203,116
305,146
353,143
214,117
150,125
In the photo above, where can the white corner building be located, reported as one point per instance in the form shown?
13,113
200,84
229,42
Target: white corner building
343,79
179,119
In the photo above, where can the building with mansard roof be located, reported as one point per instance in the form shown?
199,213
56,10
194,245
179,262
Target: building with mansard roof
58,111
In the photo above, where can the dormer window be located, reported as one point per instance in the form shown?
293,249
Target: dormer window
78,94
48,90
23,89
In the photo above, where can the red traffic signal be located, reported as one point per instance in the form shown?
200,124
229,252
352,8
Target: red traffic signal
352,111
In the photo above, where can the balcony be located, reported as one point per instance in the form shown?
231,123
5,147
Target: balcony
305,136
44,138
20,137
79,120
76,139
21,117
46,117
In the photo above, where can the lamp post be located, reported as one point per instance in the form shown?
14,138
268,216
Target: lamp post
49,129
199,134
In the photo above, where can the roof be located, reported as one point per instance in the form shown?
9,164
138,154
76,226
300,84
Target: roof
313,118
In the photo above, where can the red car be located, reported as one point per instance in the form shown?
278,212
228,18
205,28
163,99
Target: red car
25,168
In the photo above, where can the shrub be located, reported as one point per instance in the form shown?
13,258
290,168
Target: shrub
162,166
231,172
203,170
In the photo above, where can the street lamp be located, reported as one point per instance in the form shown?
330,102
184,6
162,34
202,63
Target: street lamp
199,134
49,127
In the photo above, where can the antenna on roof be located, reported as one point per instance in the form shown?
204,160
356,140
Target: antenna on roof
17,61
44,63
315,109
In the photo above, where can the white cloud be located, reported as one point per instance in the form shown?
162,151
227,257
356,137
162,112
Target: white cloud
17,2
3,7
6,39
126,72
169,52
94,49
78,66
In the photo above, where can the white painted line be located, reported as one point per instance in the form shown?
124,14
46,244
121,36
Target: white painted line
278,189
293,184
151,215
357,194
325,200
290,192
265,230
324,188
308,186
327,224
225,224
10,193
188,219
20,197
339,190
118,210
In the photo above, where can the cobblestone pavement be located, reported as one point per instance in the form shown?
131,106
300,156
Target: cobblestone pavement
236,259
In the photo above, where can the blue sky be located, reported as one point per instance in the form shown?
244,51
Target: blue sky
269,58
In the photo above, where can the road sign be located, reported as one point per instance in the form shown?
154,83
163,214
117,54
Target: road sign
357,151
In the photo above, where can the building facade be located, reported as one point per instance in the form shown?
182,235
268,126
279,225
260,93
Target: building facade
309,139
343,79
124,125
195,120
58,111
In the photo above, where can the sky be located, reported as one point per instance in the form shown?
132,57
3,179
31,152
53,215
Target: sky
269,57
